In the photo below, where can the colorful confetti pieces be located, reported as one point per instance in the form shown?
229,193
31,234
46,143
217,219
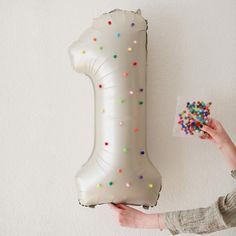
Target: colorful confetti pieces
193,117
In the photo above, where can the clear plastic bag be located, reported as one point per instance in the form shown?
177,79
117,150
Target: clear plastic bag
191,114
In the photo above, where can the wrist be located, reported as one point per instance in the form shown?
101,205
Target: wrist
228,148
229,151
154,221
161,221
227,145
150,221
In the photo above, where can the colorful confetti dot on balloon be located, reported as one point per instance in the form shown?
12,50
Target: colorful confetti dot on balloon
141,90
118,34
128,184
130,49
136,130
140,102
150,185
109,22
110,183
121,123
142,152
119,170
132,24
125,74
140,177
101,47
121,100
135,41
100,85
94,39
115,56
125,150
134,63
98,185
106,143
83,52
131,92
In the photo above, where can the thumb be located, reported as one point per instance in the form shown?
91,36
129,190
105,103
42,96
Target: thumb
122,206
208,130
114,207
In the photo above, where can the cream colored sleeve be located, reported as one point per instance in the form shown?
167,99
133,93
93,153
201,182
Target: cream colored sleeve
218,216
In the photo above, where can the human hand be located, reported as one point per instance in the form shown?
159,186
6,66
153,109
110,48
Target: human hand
130,217
216,133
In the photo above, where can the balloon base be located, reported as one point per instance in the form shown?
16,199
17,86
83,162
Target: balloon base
146,207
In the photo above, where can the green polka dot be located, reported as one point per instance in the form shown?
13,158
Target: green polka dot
110,183
121,101
115,56
125,150
118,34
140,102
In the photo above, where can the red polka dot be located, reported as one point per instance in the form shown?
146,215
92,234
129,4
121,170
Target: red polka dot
136,130
109,22
100,86
125,74
106,143
134,63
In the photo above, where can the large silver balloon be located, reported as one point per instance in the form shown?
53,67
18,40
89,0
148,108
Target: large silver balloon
113,52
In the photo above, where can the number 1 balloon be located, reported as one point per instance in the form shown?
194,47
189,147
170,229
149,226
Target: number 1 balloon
113,53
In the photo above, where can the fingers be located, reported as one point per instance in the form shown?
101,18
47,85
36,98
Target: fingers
209,120
212,120
114,207
119,206
209,130
215,124
122,206
218,125
204,136
211,123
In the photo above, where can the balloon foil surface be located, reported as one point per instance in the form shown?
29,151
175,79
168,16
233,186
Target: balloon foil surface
113,54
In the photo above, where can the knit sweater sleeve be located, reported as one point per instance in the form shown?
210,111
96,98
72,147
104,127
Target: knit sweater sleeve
218,216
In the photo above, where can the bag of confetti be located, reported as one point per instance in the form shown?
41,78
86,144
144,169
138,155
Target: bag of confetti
191,114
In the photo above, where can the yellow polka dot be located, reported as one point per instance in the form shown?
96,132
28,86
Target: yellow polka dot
150,185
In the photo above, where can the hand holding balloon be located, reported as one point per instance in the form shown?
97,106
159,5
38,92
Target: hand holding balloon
130,217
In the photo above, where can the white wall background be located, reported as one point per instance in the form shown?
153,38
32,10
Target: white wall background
46,110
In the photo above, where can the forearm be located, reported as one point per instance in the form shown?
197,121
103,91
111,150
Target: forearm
218,216
155,221
229,152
